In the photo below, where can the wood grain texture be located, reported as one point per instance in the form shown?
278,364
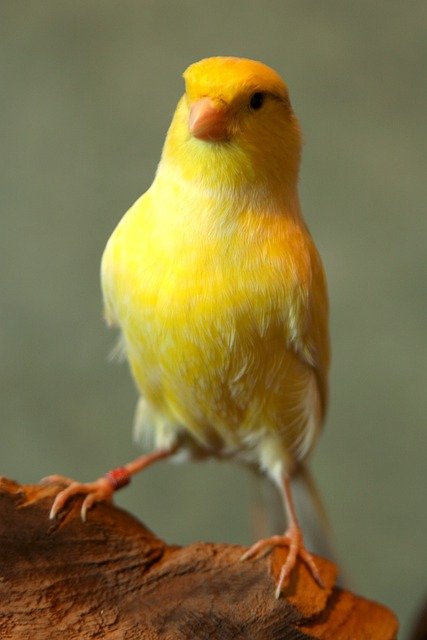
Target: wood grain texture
112,578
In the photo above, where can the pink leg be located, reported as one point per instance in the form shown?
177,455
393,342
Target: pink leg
102,489
292,538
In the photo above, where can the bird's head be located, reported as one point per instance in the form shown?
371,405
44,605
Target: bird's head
235,125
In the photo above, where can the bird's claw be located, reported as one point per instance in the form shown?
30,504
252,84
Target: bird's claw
100,490
292,539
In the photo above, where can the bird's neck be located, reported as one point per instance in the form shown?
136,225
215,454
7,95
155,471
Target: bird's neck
215,179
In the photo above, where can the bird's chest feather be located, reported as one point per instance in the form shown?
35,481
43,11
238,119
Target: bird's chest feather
185,279
203,306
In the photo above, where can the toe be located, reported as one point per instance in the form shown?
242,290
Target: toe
63,496
58,503
309,560
88,503
61,499
56,478
287,567
265,545
99,491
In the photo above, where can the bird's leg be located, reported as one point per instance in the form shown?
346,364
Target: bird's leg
102,489
292,538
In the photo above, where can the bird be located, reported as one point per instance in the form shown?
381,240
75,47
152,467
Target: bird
220,295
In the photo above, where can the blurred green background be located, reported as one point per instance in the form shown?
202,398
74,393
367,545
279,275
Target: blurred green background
88,90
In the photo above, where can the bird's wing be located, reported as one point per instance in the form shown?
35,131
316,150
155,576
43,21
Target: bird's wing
316,336
112,263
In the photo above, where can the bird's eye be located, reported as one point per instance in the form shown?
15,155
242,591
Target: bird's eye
257,100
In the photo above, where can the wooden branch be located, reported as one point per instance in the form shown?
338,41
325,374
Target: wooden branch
112,578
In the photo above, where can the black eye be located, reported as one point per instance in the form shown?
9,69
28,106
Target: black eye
257,100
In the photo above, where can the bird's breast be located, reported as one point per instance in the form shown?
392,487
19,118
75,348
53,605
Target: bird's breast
208,318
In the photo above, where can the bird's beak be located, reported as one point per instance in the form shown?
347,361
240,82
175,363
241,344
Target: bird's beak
207,121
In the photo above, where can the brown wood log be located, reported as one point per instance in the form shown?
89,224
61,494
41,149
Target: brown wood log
112,578
419,632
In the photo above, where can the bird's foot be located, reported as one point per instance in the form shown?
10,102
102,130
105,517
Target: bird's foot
100,490
294,540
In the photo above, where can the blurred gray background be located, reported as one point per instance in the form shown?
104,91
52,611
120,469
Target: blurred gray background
88,90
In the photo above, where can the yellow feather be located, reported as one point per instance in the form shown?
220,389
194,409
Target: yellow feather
217,286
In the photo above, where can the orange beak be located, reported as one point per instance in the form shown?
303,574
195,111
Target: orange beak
207,121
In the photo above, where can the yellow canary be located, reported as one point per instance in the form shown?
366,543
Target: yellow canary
219,291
